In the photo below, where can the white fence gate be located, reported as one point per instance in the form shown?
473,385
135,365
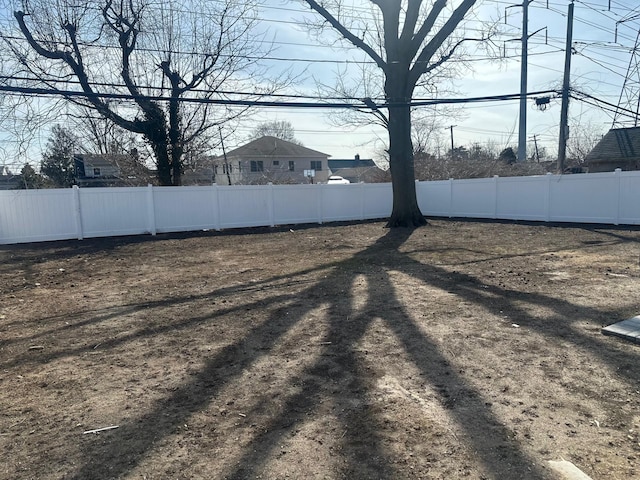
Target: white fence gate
42,215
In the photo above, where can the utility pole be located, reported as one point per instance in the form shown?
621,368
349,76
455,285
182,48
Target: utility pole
522,129
224,153
564,110
451,128
535,143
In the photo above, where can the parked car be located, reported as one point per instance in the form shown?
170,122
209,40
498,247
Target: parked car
337,180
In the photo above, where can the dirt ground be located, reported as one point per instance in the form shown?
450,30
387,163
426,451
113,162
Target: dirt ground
461,350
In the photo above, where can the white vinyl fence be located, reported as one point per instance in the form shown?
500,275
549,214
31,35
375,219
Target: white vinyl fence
42,215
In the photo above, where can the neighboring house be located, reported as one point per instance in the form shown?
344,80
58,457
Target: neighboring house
356,169
96,170
197,175
270,159
619,148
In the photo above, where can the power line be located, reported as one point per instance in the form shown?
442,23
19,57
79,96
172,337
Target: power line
602,104
32,91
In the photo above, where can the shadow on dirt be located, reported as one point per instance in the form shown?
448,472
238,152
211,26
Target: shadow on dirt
116,456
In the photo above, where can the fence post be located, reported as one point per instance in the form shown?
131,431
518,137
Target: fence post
495,196
547,198
618,173
450,197
77,212
362,202
320,188
216,210
270,205
151,210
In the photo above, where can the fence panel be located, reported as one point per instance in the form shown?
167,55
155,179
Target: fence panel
41,215
629,202
474,198
180,209
341,202
244,206
296,204
588,198
377,200
523,198
434,198
107,212
37,216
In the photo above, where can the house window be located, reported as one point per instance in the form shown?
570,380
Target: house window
276,163
96,172
316,165
257,166
292,166
227,168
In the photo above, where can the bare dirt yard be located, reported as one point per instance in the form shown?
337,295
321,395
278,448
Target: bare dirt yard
461,350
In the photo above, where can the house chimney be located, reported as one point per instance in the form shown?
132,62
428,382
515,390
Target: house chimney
357,160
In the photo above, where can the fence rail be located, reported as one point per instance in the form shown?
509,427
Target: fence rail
43,215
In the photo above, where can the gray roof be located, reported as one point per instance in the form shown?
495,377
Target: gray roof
335,164
8,182
618,144
360,174
619,148
274,147
100,160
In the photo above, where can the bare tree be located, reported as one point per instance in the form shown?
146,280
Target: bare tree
150,67
281,129
101,136
583,138
410,41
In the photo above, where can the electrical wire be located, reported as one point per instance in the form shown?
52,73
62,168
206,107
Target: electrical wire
262,103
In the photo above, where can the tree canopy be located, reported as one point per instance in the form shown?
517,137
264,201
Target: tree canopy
30,179
281,129
57,161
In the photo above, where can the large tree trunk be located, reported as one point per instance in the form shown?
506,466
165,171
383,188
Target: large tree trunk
406,212
163,164
174,139
156,134
175,127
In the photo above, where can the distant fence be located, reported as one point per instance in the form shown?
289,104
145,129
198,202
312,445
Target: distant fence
42,215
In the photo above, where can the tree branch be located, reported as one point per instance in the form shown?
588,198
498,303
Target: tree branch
78,69
410,20
40,50
419,37
421,64
390,19
348,34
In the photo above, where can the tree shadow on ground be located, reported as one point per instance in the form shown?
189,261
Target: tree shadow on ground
339,364
83,319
